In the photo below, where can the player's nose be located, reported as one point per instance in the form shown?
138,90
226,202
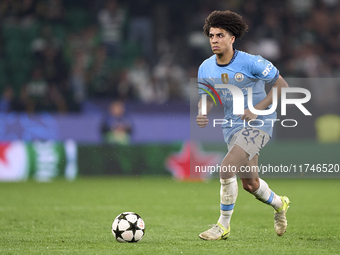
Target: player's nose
213,39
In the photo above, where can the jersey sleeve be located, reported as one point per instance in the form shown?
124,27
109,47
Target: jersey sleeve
202,80
264,70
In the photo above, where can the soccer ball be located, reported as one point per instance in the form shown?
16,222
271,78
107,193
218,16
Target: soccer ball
128,227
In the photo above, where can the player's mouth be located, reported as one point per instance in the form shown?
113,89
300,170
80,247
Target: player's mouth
215,47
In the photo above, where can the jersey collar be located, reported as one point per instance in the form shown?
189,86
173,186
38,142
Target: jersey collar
231,61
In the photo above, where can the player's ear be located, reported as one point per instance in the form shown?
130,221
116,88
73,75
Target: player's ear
232,39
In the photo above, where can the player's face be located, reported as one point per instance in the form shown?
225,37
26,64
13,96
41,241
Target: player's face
220,40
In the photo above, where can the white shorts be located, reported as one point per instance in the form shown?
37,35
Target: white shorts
250,139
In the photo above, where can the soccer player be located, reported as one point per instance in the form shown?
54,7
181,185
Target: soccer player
244,140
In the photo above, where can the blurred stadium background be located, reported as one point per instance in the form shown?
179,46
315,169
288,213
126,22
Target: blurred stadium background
102,87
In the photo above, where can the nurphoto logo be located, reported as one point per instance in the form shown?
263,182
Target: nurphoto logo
238,102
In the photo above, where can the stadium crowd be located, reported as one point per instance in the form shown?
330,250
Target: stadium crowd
55,55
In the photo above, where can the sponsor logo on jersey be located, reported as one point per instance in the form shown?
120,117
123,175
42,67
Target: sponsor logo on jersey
268,69
213,79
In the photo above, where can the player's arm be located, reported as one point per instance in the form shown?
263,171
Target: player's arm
268,100
202,120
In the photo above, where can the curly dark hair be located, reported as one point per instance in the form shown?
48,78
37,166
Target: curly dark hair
227,20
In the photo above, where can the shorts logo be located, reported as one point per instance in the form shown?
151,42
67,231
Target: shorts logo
225,78
239,77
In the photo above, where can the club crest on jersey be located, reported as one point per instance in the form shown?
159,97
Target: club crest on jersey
239,77
225,78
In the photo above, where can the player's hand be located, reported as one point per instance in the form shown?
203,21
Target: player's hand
248,115
202,120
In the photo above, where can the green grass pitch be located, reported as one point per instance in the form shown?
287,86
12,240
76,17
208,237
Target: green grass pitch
75,217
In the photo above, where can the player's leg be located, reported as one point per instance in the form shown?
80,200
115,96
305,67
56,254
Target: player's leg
228,193
229,189
260,189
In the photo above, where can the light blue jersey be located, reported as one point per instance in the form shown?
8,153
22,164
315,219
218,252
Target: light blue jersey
243,71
